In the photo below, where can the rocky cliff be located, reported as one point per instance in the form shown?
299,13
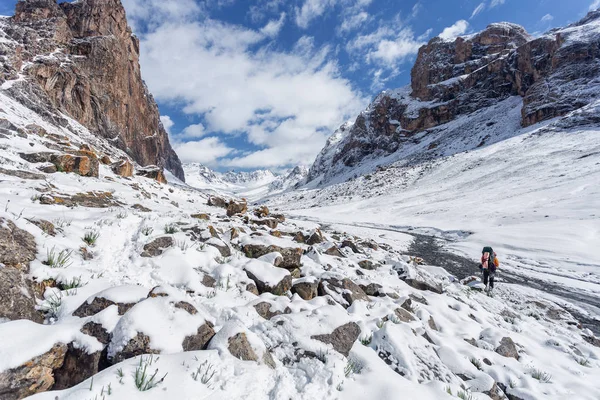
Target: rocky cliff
552,75
81,59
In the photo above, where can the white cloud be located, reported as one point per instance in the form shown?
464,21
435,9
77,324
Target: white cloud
206,151
286,103
192,131
390,51
495,3
595,5
153,12
353,21
455,30
167,122
478,9
416,9
273,27
548,17
310,10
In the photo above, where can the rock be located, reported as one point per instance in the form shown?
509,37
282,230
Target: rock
201,216
239,347
334,251
342,338
261,212
97,304
495,393
268,222
105,160
141,208
315,238
123,168
432,324
219,245
200,340
48,168
279,217
404,315
213,232
306,290
264,310
234,233
509,396
96,330
184,305
152,172
138,345
291,256
22,174
418,299
368,265
594,341
34,376
372,289
236,207
507,348
422,284
215,201
17,246
343,291
299,237
269,278
251,287
275,233
81,163
89,199
46,226
157,246
78,366
17,299
350,244
208,281
39,157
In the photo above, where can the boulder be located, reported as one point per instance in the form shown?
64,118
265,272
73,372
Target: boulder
372,289
201,216
268,222
34,376
97,304
236,207
368,265
88,199
251,287
343,291
239,347
138,345
141,208
334,251
123,168
96,330
216,201
261,212
219,245
306,290
507,348
269,278
404,315
299,237
22,174
17,246
278,217
46,226
291,256
315,238
39,157
78,366
351,245
342,338
157,246
184,305
264,310
17,299
152,172
200,340
81,163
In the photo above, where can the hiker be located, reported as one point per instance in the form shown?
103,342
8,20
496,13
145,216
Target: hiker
489,264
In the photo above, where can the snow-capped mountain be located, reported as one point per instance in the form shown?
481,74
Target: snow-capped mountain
252,185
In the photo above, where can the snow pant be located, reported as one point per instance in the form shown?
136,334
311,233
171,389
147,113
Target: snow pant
488,276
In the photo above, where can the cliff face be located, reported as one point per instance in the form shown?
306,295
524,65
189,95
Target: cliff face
553,75
82,59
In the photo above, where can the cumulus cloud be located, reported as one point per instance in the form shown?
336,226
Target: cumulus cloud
207,151
167,122
549,17
284,103
457,29
495,3
478,9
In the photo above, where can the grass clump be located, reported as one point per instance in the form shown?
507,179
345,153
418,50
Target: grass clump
541,375
91,237
476,363
147,230
60,259
352,367
366,340
143,380
205,373
170,229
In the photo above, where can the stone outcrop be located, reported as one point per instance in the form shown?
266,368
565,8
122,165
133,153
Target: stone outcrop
157,246
291,256
93,74
342,338
452,78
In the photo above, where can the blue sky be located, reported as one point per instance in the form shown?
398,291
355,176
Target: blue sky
262,83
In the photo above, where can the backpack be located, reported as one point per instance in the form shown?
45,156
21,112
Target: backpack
492,260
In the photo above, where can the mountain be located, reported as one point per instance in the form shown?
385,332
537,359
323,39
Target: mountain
459,80
82,60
